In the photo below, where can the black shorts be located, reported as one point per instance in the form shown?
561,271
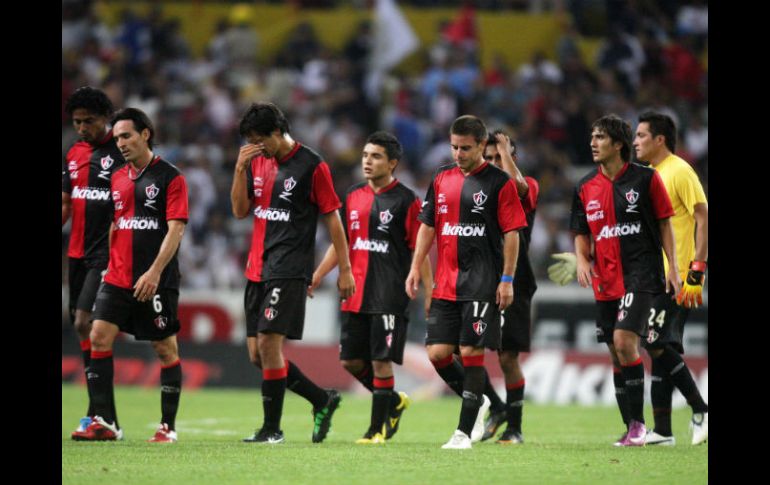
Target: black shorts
373,336
628,313
276,306
665,324
516,323
155,319
84,282
467,323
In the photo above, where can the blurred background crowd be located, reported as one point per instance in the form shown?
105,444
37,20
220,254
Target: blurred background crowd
608,56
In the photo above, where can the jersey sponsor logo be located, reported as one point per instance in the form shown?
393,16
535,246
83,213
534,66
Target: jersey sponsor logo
270,214
441,198
270,313
465,230
385,218
90,193
479,327
374,245
288,186
258,182
354,222
161,322
596,216
593,205
625,229
632,197
116,199
138,223
151,191
72,166
443,209
106,163
479,198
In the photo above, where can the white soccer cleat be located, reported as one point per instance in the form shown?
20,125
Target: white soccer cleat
699,424
458,441
478,428
654,438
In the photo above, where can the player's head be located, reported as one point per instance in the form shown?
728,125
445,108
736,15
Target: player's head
264,123
491,153
655,134
467,137
610,136
90,110
381,154
133,132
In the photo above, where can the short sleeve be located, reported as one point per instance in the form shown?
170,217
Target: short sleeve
322,193
428,212
529,202
578,222
413,223
176,199
66,183
661,203
510,213
689,189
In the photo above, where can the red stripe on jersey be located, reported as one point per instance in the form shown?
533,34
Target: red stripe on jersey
358,208
388,383
529,202
263,171
120,268
274,374
515,385
176,199
447,189
80,153
412,223
661,203
473,360
510,214
322,192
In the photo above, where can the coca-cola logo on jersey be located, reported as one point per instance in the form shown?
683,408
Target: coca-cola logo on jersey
73,169
354,222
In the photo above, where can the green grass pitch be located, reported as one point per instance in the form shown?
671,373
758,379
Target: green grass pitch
564,445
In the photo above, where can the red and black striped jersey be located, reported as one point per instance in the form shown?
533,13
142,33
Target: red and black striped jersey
143,204
622,215
86,176
524,282
287,196
382,230
470,214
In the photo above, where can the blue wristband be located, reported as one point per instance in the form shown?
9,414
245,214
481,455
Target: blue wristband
506,279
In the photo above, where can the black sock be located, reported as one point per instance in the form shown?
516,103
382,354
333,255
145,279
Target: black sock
85,347
273,392
366,376
633,374
660,394
452,372
514,400
473,395
100,387
170,392
297,381
620,394
497,403
381,399
681,377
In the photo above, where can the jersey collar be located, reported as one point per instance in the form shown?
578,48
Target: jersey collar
477,169
291,153
384,189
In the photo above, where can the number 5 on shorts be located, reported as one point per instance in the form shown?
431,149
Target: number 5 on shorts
275,296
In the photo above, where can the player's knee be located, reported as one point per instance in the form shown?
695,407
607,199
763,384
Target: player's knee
165,351
508,361
655,353
83,327
353,366
99,341
254,358
436,354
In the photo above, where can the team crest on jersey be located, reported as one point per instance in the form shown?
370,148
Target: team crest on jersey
479,198
106,164
288,186
270,313
632,197
161,322
622,314
151,191
652,336
385,218
479,327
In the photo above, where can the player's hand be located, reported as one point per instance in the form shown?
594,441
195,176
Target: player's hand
147,285
584,274
673,283
346,284
246,153
503,143
504,295
691,294
412,283
313,284
564,269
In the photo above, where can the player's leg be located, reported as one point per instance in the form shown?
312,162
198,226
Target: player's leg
354,348
100,383
514,399
441,341
387,342
270,348
381,397
167,351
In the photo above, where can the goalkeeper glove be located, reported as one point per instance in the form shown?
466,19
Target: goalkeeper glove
564,270
691,294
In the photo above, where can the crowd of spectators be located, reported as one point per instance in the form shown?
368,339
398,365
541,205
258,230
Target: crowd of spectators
651,56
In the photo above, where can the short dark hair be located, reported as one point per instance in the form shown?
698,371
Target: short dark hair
389,142
140,119
90,99
618,130
661,124
493,141
263,119
469,125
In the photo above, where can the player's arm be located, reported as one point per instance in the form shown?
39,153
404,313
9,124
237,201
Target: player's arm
701,214
426,274
583,255
66,207
345,282
509,166
328,263
147,284
239,193
504,295
667,236
691,294
425,237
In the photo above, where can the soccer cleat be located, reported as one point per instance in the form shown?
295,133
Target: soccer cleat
493,422
510,437
371,438
81,429
478,428
322,418
699,425
163,435
636,436
621,440
265,436
458,441
99,430
394,418
654,438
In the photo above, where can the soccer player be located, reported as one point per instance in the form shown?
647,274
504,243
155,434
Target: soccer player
624,210
473,210
380,219
655,143
140,291
85,197
285,185
516,320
